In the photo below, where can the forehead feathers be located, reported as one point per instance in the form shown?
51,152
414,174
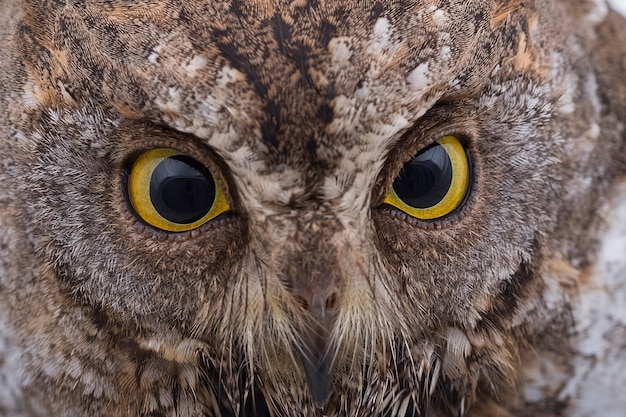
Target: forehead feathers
272,86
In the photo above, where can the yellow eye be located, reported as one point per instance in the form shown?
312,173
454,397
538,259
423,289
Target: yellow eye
174,192
434,183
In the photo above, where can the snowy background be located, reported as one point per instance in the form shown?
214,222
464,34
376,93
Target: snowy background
619,5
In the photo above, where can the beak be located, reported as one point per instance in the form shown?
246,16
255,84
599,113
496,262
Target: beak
318,352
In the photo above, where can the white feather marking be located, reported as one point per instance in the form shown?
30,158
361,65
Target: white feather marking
340,50
446,53
599,11
458,343
154,55
440,17
419,78
228,75
196,63
382,35
591,88
173,103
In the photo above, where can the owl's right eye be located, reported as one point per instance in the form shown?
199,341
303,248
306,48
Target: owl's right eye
174,192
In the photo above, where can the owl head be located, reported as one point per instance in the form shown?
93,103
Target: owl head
348,208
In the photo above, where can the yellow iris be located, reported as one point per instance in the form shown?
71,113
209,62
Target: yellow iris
173,192
448,175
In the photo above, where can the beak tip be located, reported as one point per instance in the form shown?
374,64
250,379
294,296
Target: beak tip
321,402
319,381
317,348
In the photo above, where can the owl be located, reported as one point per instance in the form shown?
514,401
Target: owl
312,208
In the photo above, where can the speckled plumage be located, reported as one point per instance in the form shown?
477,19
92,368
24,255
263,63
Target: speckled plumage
305,111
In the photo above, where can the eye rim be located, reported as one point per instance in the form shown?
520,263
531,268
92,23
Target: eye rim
458,192
139,195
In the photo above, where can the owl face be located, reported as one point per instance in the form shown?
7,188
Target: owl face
298,206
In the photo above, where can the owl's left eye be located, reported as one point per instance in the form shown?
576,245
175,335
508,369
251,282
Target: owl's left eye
174,192
434,183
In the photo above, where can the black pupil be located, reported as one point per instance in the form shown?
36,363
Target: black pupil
425,180
181,189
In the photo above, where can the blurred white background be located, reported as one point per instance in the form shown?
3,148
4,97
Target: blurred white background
619,5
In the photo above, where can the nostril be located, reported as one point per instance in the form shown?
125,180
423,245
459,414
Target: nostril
331,301
302,301
330,304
